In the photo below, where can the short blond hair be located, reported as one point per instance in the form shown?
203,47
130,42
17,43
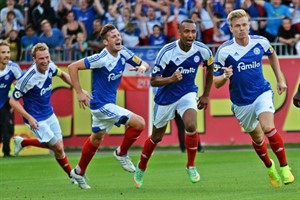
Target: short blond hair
39,47
4,43
239,13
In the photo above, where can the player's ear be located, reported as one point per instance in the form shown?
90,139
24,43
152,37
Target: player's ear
105,42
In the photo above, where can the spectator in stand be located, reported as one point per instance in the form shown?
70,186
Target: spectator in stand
295,12
10,5
207,33
157,37
110,15
275,12
14,45
53,37
80,46
11,23
43,11
199,26
255,12
148,19
62,11
72,27
124,17
94,40
28,41
288,34
131,34
221,30
85,12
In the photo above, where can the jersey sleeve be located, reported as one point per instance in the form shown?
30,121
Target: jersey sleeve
219,62
131,58
16,70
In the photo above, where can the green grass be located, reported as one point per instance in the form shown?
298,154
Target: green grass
237,174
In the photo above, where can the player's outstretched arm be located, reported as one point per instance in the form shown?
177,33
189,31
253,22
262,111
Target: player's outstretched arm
274,62
20,109
82,96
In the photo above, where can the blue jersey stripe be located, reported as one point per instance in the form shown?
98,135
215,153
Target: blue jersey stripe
165,49
27,78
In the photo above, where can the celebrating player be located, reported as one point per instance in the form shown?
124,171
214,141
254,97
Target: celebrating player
296,98
35,88
240,61
174,74
107,70
9,71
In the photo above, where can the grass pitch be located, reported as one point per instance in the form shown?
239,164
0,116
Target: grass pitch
231,175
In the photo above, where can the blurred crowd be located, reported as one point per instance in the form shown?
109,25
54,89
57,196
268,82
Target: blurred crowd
71,28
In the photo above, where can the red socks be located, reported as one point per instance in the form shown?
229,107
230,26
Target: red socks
191,143
262,152
33,142
277,146
147,151
87,153
65,165
131,135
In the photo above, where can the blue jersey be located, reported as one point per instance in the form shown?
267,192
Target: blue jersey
247,81
107,72
36,89
171,58
11,72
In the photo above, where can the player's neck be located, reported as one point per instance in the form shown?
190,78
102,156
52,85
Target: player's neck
2,67
243,41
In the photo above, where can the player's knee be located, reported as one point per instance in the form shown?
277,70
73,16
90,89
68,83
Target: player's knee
97,138
190,127
140,125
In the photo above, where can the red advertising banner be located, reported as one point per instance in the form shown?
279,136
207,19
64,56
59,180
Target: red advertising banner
217,125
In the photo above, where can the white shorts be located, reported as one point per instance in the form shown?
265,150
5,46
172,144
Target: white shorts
49,130
248,115
109,115
164,113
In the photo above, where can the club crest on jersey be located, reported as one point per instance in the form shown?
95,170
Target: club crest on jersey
256,51
123,61
196,59
217,67
155,70
17,94
6,77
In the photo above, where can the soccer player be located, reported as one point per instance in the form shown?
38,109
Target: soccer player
9,72
35,88
174,74
240,61
296,98
107,70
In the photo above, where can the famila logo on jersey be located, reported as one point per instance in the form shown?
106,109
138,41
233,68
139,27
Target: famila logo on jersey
44,90
242,66
113,76
186,71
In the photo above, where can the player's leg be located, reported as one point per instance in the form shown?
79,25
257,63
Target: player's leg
266,120
88,151
135,126
191,142
247,117
148,148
